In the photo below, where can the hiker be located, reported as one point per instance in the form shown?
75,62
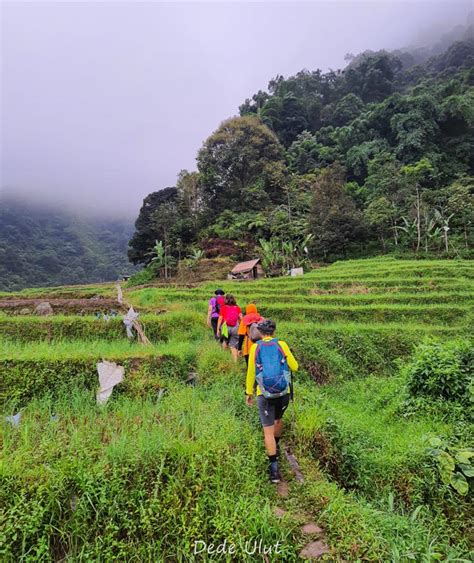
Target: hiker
248,331
270,363
214,309
228,325
221,303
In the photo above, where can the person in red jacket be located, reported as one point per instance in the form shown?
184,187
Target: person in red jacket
231,315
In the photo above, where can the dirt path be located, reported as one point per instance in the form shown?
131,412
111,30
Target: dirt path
316,547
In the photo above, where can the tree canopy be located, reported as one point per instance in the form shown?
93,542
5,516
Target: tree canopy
373,158
241,166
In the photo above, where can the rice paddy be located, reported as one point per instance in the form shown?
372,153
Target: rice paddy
176,457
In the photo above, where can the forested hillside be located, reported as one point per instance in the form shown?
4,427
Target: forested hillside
46,247
372,159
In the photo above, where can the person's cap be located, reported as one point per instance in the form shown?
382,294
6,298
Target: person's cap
267,326
219,292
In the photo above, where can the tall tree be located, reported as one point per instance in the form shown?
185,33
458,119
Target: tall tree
379,215
239,164
304,154
460,203
418,176
147,230
334,220
190,195
371,76
286,116
165,220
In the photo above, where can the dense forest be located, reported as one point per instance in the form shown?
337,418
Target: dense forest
374,158
45,247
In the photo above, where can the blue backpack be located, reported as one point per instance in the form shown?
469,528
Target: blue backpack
271,369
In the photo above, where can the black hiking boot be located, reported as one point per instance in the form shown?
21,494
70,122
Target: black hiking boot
274,472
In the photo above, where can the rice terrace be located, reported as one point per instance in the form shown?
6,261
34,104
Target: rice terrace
378,442
237,281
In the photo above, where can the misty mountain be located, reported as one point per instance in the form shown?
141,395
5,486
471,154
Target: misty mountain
45,247
433,42
433,53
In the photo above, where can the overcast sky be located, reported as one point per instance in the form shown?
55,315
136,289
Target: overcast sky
104,102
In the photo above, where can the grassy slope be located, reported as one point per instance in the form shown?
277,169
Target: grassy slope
205,443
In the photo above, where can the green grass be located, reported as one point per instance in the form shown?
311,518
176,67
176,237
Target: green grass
339,352
437,314
160,296
363,413
157,296
64,292
87,349
363,532
137,479
164,463
357,434
181,324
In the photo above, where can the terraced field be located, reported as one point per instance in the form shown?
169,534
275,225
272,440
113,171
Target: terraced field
175,457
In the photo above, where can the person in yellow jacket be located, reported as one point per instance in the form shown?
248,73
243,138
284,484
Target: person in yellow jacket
270,410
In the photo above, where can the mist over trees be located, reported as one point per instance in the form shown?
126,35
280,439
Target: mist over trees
375,158
46,247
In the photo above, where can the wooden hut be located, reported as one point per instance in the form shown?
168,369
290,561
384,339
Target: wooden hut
250,270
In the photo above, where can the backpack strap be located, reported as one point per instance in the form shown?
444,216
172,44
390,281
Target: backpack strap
257,351
257,355
280,348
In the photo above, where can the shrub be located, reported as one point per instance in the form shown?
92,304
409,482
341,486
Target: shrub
455,465
147,275
442,371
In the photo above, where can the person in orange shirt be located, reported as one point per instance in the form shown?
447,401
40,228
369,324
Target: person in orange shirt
245,342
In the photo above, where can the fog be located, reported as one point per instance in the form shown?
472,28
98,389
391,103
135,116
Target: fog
104,102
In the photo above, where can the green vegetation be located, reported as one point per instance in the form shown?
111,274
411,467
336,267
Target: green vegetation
41,247
443,372
139,479
373,160
60,327
381,424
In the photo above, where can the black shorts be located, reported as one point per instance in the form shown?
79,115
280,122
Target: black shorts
270,410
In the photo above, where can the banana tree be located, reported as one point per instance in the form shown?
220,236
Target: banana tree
271,255
158,254
432,231
161,258
410,229
281,256
195,257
